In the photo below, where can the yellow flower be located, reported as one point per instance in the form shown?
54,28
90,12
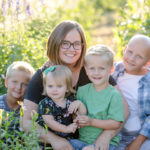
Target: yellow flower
47,110
1,112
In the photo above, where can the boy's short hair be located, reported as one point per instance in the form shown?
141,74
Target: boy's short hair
100,50
60,73
20,66
139,38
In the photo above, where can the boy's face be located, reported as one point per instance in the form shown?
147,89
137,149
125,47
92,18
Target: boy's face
55,89
135,57
98,70
16,84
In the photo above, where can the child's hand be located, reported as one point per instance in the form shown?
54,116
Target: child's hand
83,120
72,128
74,107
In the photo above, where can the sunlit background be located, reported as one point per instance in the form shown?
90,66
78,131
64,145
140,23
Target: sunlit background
26,24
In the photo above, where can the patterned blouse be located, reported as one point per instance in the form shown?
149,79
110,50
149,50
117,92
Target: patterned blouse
48,107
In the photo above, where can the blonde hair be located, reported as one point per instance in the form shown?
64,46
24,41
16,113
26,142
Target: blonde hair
56,37
100,50
59,73
20,66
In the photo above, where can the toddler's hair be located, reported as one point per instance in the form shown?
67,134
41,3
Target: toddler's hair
20,66
100,50
59,73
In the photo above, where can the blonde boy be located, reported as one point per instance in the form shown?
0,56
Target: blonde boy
17,78
103,102
133,78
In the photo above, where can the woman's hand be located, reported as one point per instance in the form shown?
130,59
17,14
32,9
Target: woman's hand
103,141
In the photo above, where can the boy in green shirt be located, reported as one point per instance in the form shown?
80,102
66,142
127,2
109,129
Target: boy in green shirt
103,102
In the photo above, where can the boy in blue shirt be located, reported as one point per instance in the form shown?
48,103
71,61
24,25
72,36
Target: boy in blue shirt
17,78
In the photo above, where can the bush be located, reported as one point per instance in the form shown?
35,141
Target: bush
26,25
25,37
134,19
14,139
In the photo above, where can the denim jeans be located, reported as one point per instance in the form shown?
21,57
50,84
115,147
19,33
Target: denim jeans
78,145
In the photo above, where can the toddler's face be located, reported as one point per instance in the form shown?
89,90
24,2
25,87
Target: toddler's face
98,70
135,57
17,84
55,89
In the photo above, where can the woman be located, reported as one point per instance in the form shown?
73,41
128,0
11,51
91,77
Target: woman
66,45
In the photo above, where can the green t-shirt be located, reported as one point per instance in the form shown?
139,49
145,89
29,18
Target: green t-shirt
104,105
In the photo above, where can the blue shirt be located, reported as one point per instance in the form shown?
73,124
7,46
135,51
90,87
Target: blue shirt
143,98
15,114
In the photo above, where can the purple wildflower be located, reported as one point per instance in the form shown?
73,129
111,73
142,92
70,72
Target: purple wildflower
17,6
3,76
24,3
10,2
42,1
3,8
28,10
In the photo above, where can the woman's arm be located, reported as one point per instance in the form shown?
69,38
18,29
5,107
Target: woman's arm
103,140
48,137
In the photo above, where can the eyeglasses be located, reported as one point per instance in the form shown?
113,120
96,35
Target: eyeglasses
77,45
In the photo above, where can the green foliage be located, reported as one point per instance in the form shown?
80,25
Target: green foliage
108,5
14,139
26,39
134,19
26,25
20,45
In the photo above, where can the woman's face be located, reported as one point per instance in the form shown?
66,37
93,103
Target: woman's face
70,48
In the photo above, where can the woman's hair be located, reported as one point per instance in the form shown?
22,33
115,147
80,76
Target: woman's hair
56,37
20,66
100,50
59,73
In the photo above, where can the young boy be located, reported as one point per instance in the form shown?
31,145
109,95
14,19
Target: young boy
133,78
104,103
17,78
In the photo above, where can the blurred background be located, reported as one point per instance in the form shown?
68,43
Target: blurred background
26,24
